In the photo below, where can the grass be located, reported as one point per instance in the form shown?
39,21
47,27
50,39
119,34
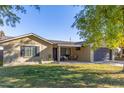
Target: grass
56,75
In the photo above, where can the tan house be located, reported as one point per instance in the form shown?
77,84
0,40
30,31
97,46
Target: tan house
33,49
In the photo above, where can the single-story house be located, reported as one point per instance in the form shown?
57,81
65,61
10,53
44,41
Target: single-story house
31,48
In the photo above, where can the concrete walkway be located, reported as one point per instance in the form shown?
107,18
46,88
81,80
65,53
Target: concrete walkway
77,62
74,62
115,63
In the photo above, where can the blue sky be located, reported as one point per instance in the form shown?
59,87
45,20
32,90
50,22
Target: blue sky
52,22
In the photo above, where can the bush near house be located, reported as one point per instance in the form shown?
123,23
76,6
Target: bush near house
57,75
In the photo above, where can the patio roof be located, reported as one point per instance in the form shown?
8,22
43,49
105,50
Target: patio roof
67,43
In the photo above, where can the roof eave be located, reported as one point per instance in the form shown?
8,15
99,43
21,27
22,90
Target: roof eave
30,34
69,45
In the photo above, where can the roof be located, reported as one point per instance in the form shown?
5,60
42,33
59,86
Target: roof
58,42
6,38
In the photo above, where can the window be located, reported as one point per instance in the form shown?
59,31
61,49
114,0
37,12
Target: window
65,51
29,51
122,51
77,48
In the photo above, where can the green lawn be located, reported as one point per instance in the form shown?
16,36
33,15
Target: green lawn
51,75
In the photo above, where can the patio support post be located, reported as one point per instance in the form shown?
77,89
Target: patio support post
58,53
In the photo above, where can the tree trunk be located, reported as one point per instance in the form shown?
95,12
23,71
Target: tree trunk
113,55
123,31
123,68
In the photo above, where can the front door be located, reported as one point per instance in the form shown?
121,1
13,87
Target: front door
55,54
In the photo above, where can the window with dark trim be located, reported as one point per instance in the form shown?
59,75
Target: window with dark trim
77,48
122,51
29,51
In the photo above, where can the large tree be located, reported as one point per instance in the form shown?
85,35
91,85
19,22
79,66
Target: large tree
101,25
8,14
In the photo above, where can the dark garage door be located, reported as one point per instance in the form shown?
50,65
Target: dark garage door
102,54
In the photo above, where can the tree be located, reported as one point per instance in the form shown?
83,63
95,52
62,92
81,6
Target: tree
101,25
8,14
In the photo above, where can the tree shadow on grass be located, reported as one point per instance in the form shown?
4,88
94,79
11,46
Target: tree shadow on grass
56,77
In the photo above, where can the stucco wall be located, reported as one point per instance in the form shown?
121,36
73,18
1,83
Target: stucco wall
12,51
83,54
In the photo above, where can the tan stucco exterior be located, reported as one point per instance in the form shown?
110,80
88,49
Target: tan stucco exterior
12,51
83,54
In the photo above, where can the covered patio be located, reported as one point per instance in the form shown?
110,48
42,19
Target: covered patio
70,51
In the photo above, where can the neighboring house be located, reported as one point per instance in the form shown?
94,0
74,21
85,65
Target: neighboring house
31,48
120,54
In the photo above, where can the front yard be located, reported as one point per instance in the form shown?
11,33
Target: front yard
71,75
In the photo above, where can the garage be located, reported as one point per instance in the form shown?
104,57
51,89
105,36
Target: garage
102,54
